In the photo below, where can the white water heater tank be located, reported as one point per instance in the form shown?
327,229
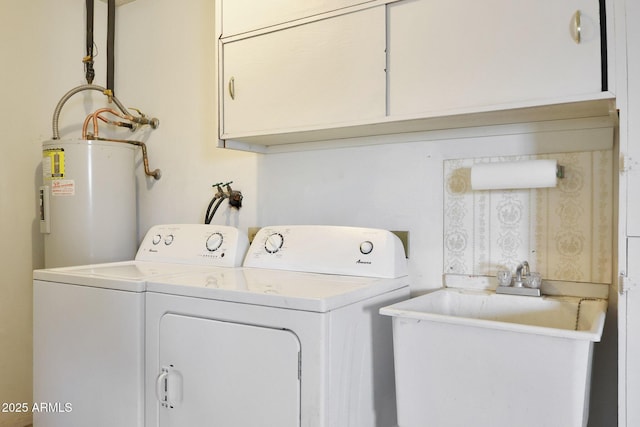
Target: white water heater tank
88,202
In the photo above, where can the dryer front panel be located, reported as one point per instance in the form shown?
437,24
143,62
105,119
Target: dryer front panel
228,374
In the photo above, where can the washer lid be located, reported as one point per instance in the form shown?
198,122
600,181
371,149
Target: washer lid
124,275
276,288
166,250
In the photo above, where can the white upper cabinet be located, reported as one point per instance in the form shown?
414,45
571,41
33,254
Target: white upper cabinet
240,16
457,54
321,74
315,70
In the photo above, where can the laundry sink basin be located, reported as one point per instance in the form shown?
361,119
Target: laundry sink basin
478,358
570,317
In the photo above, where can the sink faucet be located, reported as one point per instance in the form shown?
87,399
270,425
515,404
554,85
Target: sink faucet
521,271
518,287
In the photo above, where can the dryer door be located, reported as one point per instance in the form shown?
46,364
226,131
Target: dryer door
227,374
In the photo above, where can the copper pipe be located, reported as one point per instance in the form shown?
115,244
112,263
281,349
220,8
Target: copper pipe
96,115
106,110
156,174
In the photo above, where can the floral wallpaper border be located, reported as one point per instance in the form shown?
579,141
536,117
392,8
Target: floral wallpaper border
565,233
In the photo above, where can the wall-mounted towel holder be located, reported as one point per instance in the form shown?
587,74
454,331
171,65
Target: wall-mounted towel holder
514,175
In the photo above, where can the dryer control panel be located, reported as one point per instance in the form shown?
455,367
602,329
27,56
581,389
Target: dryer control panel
198,244
353,251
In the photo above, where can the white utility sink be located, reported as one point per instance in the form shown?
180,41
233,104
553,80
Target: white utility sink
477,358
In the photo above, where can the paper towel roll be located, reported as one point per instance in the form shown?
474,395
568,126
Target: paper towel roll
510,175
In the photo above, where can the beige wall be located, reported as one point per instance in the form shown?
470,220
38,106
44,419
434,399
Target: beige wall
23,85
164,66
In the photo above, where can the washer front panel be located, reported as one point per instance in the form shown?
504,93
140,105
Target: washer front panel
88,352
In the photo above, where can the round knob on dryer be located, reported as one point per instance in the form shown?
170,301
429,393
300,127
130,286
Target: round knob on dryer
366,247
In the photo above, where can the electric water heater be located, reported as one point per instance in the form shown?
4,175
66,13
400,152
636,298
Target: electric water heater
88,202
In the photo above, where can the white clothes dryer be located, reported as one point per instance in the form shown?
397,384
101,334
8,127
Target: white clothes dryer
293,338
88,332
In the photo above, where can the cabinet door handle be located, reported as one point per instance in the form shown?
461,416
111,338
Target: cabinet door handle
232,88
577,27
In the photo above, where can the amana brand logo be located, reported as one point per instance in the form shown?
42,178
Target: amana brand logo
362,262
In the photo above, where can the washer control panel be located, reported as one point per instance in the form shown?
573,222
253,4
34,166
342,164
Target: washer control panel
352,251
198,244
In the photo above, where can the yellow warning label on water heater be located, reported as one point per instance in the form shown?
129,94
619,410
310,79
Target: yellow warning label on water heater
53,163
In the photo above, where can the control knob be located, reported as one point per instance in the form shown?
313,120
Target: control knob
214,242
274,243
366,247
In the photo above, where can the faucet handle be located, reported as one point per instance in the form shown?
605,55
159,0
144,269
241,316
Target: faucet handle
533,280
504,277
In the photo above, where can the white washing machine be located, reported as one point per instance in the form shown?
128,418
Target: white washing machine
293,338
88,332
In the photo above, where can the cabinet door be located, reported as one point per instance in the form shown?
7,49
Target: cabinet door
218,373
468,54
629,302
629,340
240,16
633,119
319,74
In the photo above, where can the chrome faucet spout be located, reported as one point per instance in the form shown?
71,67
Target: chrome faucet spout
521,271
